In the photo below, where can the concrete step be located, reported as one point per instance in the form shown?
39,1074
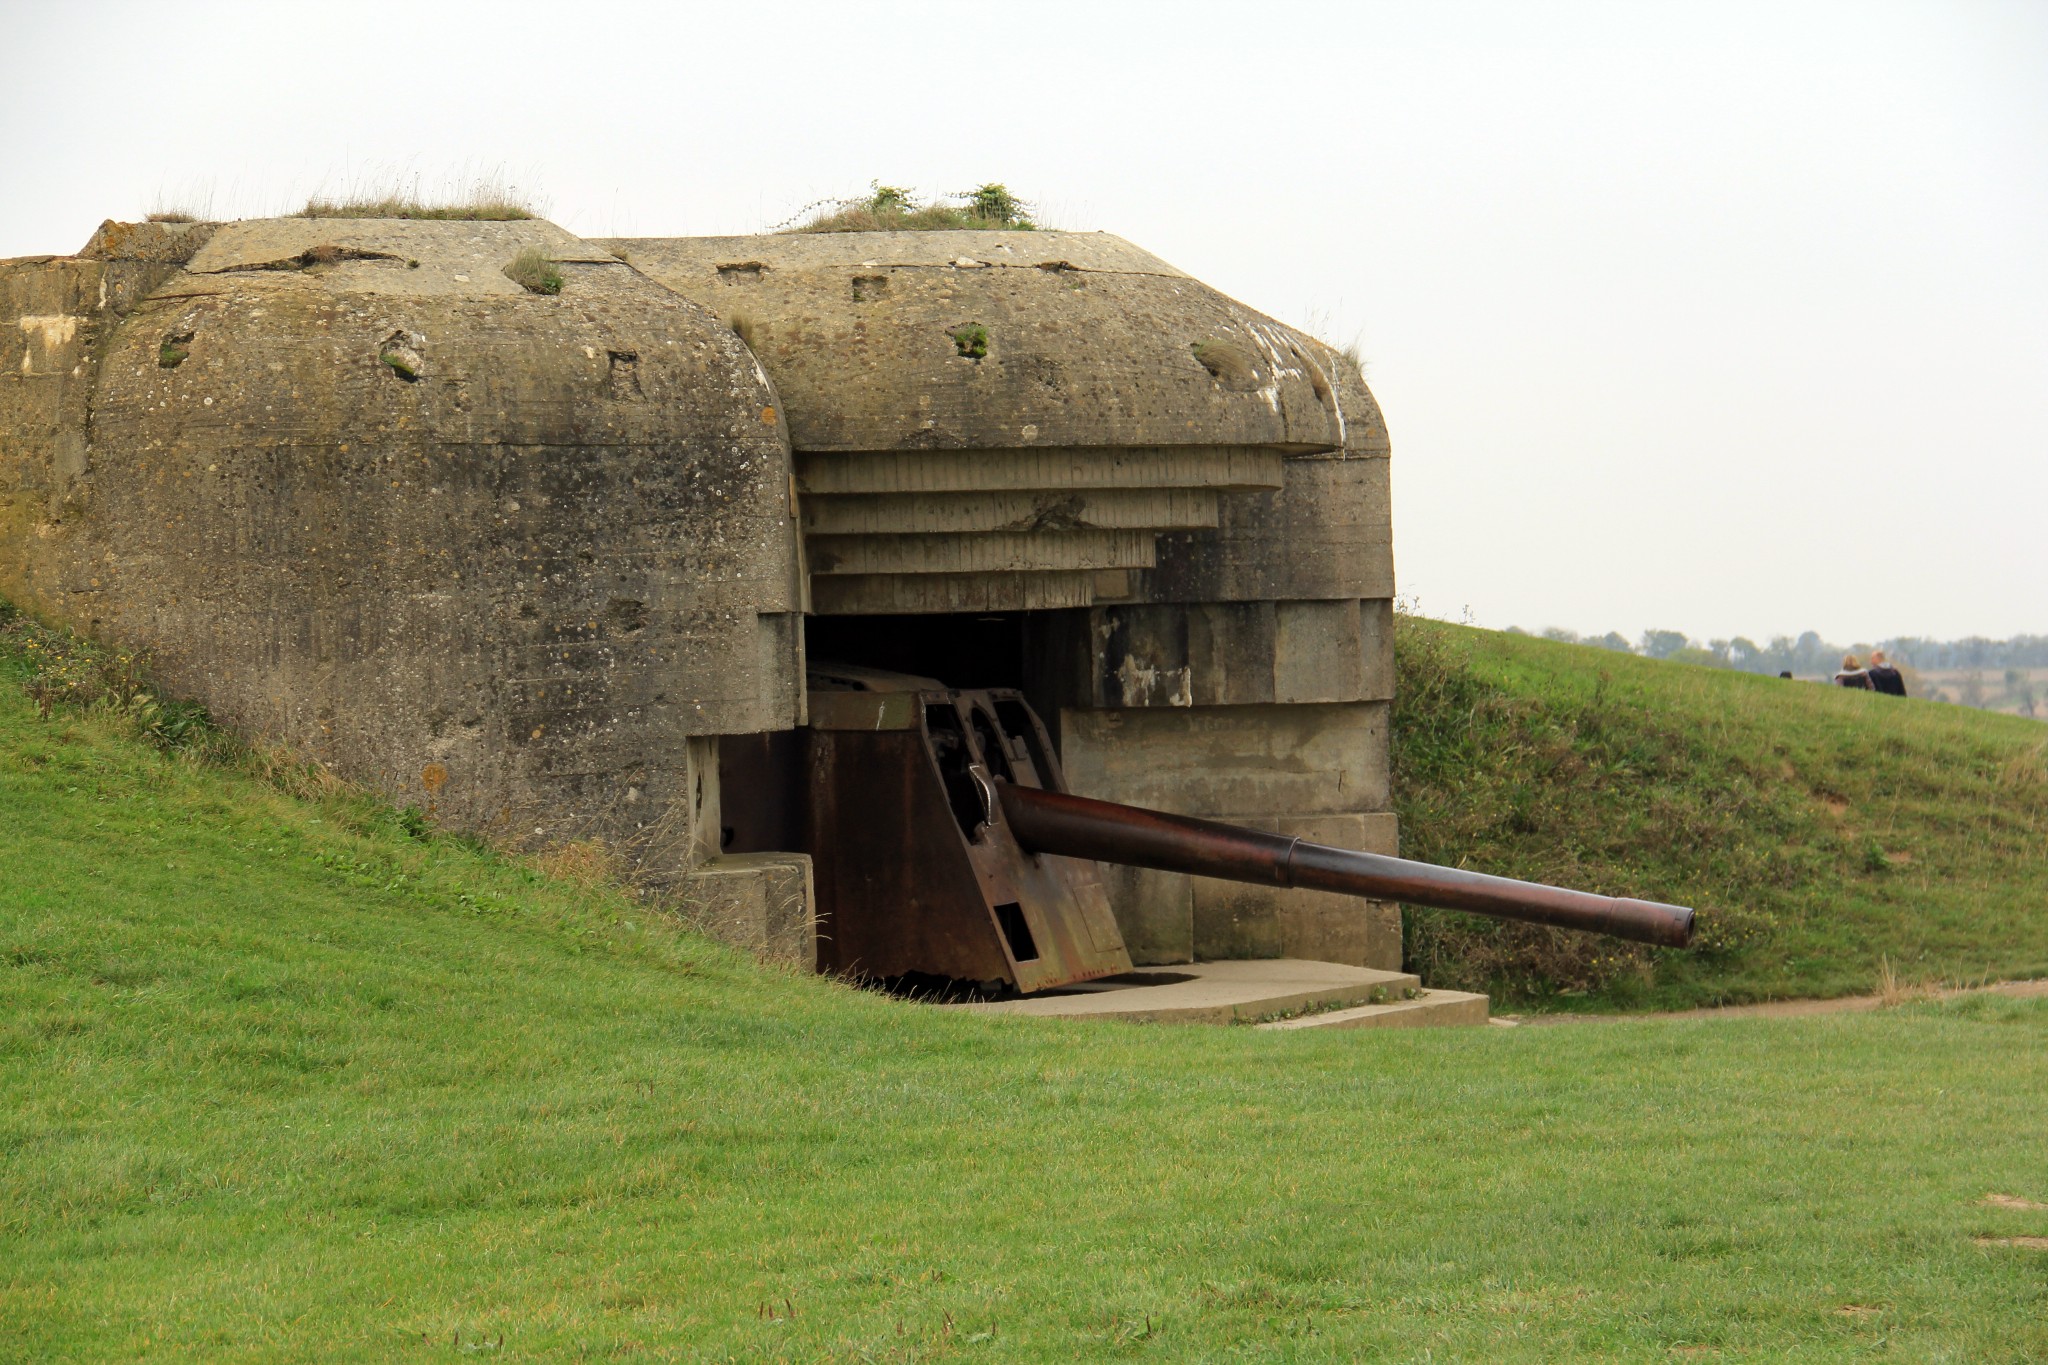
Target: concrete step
1429,1009
991,552
1224,992
1039,468
1114,509
881,593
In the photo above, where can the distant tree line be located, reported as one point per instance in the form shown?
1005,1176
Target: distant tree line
1809,654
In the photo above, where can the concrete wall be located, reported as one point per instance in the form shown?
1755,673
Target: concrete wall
512,577
516,558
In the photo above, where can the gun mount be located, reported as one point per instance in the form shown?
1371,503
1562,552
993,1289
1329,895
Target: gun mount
946,844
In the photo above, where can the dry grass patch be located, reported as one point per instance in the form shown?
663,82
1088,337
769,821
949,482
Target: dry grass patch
488,199
532,271
584,862
2013,1201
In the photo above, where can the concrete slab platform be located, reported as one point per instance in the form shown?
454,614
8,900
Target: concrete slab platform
1217,993
1430,1009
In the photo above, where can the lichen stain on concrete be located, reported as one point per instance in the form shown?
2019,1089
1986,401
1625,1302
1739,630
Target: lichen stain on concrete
1141,683
51,333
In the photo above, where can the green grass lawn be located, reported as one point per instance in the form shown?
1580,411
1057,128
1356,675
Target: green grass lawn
1826,835
285,1082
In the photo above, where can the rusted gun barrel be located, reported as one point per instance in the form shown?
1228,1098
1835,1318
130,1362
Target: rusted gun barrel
1077,827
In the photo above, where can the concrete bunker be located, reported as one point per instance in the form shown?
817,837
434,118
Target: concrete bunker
678,543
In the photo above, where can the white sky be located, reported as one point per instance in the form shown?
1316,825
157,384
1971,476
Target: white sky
1728,318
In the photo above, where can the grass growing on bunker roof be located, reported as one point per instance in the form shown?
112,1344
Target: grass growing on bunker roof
534,272
485,199
290,1079
502,211
891,208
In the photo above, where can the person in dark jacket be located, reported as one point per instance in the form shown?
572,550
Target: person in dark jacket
1883,677
1853,674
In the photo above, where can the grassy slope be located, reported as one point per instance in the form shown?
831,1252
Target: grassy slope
285,1084
1823,833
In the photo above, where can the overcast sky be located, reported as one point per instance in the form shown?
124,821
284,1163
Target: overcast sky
1718,317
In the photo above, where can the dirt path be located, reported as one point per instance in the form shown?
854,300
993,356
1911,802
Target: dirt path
1786,1009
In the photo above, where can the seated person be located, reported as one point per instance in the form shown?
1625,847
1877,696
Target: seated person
1853,674
1883,677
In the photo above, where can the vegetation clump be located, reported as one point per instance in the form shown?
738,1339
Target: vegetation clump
62,670
409,208
891,208
532,271
489,199
971,341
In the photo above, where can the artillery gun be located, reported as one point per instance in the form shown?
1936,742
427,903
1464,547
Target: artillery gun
945,843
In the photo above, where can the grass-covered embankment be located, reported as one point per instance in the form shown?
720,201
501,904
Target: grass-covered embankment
286,1081
1827,836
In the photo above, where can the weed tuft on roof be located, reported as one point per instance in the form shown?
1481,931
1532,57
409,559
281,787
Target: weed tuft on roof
892,208
532,271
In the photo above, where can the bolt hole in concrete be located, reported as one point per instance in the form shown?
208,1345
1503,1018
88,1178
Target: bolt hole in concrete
740,272
625,615
176,347
1227,365
867,287
624,380
399,356
971,340
1016,933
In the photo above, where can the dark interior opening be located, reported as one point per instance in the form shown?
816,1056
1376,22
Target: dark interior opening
950,748
762,776
1016,933
983,649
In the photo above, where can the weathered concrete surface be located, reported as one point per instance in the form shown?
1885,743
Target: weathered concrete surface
882,594
761,902
1429,1009
502,554
1316,770
1232,762
1214,993
1104,368
1218,653
1090,342
1011,512
979,552
1326,534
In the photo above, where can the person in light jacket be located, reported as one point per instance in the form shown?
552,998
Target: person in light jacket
1853,674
